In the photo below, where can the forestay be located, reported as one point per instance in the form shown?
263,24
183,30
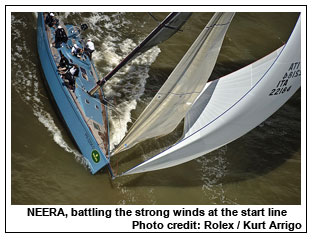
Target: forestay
182,87
233,105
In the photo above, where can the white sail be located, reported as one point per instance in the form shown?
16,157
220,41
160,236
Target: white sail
182,87
233,105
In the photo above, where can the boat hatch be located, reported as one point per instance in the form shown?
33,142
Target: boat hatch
96,126
84,73
88,105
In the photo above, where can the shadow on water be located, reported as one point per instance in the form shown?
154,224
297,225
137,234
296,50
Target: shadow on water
240,160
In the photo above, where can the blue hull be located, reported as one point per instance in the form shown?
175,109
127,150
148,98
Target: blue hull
71,114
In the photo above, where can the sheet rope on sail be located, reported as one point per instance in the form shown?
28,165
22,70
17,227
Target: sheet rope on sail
217,118
182,86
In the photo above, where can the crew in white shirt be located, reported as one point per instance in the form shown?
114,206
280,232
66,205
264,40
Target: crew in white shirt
89,48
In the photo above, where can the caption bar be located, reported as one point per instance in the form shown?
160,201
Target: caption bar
192,220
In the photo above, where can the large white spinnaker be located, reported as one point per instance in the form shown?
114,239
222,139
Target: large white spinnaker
233,105
182,86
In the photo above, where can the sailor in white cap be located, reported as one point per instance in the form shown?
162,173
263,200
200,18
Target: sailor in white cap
50,20
60,36
89,48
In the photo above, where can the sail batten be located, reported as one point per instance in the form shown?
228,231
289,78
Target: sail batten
217,118
182,86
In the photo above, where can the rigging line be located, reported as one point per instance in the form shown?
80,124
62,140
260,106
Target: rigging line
151,90
171,27
154,17
217,25
111,106
114,170
42,95
114,108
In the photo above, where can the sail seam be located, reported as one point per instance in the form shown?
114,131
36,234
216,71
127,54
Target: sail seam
179,94
217,25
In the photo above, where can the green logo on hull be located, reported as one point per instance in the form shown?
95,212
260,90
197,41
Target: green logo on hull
96,156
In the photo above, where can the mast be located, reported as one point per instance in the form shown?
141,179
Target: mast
134,52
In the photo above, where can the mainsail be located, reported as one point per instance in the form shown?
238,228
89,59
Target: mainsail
233,105
168,27
182,87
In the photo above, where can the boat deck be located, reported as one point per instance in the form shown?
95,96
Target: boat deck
92,109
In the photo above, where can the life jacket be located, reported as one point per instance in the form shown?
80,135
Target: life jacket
64,62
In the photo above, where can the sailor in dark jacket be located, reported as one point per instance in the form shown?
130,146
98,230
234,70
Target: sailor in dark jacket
64,64
64,36
60,36
50,21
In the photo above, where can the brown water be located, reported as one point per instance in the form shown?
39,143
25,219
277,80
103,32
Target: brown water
262,167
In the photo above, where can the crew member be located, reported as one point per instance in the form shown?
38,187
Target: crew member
71,75
50,20
76,51
60,36
89,48
63,64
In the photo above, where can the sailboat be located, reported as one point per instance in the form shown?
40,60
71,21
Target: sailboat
83,106
84,116
214,112
224,110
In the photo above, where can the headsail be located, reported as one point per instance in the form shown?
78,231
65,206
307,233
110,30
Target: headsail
182,86
217,118
168,27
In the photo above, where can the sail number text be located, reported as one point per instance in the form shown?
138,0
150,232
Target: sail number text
282,85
